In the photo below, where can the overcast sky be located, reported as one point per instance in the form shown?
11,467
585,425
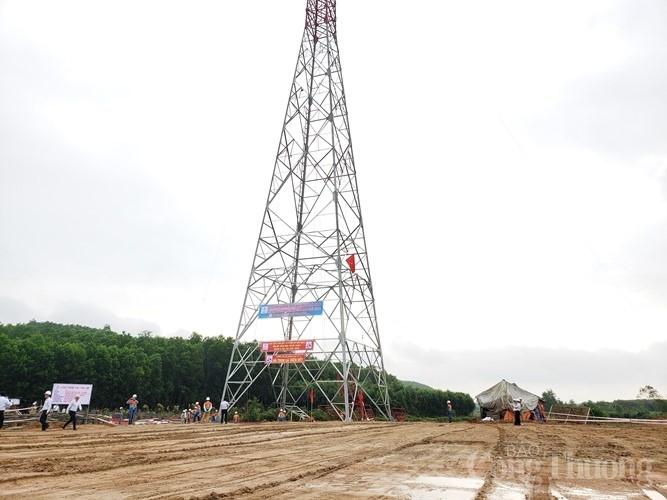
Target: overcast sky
511,158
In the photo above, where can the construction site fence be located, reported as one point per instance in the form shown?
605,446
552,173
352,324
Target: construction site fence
19,416
569,418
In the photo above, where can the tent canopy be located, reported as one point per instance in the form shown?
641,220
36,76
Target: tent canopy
501,396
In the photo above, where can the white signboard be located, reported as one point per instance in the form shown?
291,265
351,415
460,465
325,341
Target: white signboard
63,394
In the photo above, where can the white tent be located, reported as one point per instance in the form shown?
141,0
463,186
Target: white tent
497,399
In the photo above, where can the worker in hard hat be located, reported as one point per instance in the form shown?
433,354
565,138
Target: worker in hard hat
236,418
46,409
132,407
208,408
73,407
196,412
450,411
282,415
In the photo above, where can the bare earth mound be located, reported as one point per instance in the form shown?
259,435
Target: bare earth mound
332,460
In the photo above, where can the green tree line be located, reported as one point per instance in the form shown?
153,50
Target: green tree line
629,408
171,371
619,408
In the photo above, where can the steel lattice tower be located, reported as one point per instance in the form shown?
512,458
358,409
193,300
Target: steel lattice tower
312,248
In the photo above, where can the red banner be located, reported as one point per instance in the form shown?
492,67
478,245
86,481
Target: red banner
285,358
287,345
351,262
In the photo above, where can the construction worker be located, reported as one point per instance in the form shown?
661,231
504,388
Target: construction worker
224,406
450,411
282,415
132,405
73,407
5,404
46,409
197,412
237,418
516,406
208,407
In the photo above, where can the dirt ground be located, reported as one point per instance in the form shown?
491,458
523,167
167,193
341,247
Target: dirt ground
333,460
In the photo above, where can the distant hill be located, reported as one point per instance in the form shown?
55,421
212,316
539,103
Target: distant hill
416,385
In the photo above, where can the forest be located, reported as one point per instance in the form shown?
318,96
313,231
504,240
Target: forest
166,372
653,406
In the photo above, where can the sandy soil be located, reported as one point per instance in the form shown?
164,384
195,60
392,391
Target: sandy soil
332,460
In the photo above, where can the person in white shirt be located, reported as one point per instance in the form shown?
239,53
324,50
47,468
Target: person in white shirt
224,406
73,407
5,404
46,409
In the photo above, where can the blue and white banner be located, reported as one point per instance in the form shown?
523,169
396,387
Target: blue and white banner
292,309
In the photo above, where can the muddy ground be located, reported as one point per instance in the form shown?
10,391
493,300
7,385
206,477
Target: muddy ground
332,460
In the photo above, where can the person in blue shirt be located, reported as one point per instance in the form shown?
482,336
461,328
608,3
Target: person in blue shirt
132,405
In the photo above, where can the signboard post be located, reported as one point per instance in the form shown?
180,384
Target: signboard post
63,394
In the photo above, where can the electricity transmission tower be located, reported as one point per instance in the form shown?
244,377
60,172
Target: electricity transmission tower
308,322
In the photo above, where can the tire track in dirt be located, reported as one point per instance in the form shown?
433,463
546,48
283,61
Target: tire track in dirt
51,440
320,460
610,448
378,433
540,477
46,466
498,453
58,467
320,472
310,473
214,435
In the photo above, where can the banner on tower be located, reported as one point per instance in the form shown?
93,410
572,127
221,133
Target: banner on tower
285,358
287,345
351,263
291,309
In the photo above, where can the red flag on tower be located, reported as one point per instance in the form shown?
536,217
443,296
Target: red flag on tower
351,263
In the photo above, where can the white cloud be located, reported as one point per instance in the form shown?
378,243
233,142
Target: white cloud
91,315
510,161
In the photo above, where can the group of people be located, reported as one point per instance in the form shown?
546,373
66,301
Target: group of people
199,413
195,414
72,409
47,407
205,414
